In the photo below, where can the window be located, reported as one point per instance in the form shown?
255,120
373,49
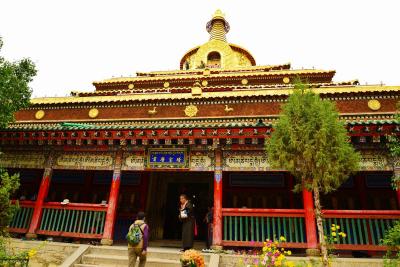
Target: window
214,60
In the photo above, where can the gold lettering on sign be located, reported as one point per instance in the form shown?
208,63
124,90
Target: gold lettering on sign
22,160
374,161
134,162
246,161
201,162
84,161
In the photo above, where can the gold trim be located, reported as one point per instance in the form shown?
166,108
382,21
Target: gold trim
204,83
374,104
245,81
93,113
286,79
39,114
131,86
166,84
191,110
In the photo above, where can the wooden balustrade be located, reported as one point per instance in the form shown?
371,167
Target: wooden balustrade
22,217
77,220
251,227
364,228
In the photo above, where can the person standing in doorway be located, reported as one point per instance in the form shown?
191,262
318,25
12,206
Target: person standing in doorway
138,239
186,216
208,219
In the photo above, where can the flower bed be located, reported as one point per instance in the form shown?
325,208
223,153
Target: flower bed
192,258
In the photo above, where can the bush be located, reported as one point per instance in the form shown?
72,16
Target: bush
392,241
8,186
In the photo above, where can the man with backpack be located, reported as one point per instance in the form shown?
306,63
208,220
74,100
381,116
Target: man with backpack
138,239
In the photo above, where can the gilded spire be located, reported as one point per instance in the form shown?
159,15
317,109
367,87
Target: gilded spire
218,27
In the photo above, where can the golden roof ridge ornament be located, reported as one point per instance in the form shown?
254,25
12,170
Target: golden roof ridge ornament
218,27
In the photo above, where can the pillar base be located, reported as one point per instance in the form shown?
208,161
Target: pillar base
313,252
217,247
31,235
106,242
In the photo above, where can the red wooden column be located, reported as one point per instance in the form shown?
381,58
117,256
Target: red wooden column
112,202
311,227
217,217
42,194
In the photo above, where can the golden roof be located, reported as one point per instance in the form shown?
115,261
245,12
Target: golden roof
207,95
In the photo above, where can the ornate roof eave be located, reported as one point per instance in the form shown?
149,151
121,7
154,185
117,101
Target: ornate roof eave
216,75
237,122
176,89
247,69
206,95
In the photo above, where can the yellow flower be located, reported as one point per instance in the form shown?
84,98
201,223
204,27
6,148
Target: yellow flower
32,253
282,238
289,252
333,228
333,233
333,225
335,239
290,264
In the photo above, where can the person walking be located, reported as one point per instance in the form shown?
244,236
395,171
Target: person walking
186,216
138,239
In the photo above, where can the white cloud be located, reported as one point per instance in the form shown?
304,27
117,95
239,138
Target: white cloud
77,42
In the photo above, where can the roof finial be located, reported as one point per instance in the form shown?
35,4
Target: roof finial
218,26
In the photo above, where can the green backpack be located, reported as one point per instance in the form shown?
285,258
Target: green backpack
135,234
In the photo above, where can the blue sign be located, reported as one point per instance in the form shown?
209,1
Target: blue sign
167,158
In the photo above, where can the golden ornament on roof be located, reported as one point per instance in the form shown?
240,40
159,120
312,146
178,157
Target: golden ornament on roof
39,114
131,86
204,83
374,104
191,110
245,81
286,80
166,84
93,113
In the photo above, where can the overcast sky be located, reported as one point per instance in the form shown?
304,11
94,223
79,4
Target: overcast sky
74,43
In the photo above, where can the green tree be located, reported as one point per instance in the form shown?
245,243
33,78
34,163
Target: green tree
14,86
311,143
14,95
393,144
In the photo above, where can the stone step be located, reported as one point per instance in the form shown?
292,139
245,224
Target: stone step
159,253
116,261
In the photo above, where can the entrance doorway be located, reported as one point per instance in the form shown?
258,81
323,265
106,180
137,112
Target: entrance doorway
163,202
198,193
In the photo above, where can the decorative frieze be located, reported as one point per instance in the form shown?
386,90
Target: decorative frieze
245,161
22,159
202,161
133,161
374,160
85,161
